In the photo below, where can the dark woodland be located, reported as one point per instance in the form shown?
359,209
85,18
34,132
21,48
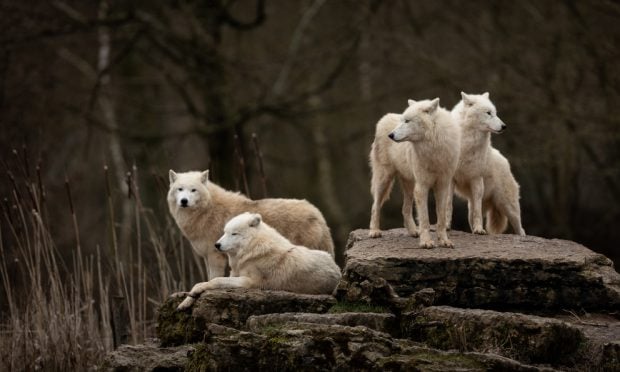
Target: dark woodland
99,99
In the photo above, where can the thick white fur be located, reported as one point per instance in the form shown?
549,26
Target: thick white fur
264,259
483,176
210,206
389,160
425,157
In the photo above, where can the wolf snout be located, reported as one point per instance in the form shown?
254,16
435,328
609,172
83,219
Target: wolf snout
184,202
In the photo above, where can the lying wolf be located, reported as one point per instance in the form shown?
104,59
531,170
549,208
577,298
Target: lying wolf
200,209
264,259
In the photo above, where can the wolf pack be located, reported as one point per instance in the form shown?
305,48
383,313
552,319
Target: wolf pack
285,244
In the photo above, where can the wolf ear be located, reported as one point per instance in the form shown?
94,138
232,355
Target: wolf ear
485,94
432,107
172,176
466,99
204,177
410,102
256,219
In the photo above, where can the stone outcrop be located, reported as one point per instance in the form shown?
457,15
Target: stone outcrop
500,272
230,308
494,303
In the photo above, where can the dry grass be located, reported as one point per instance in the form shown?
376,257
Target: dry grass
56,314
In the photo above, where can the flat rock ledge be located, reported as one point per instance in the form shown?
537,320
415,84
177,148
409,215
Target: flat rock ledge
230,308
494,303
499,272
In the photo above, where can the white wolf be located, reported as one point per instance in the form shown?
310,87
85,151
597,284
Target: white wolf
389,160
483,176
201,208
265,259
427,159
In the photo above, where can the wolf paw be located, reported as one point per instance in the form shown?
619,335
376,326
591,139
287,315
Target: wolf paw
427,244
447,243
178,294
413,233
374,234
479,231
186,304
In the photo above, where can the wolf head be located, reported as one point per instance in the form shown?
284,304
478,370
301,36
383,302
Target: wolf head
480,113
188,190
238,232
415,122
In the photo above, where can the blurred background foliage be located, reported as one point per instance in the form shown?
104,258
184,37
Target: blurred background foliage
147,86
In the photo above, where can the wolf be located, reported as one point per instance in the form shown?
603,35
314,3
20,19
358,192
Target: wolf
201,208
424,154
390,160
483,175
265,259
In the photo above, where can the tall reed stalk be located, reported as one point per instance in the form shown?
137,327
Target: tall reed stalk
55,315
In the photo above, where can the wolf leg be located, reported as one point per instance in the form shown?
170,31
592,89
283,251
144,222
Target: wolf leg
442,190
217,263
407,187
217,283
477,191
381,185
421,205
449,205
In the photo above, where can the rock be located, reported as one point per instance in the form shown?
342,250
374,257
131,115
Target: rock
526,338
147,357
320,347
501,272
230,308
602,347
377,321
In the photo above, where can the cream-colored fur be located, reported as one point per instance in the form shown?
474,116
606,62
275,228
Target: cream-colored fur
210,206
425,157
483,176
264,259
388,160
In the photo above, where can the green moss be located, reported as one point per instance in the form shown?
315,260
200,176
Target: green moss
177,327
428,360
356,307
199,360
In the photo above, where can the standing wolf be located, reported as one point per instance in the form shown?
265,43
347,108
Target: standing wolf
265,259
426,158
389,160
201,208
483,175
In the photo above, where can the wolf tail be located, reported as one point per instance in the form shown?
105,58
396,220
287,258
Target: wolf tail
496,221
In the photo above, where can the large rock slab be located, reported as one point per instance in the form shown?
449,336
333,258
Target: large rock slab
147,357
382,322
230,307
502,272
320,347
527,338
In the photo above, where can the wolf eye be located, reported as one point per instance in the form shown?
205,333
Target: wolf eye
180,189
234,234
193,190
407,121
489,113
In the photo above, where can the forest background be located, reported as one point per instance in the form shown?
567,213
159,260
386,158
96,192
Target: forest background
98,100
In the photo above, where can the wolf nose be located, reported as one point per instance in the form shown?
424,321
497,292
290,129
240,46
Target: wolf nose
184,202
391,135
503,126
218,246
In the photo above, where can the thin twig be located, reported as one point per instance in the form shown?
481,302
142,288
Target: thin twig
259,159
241,160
